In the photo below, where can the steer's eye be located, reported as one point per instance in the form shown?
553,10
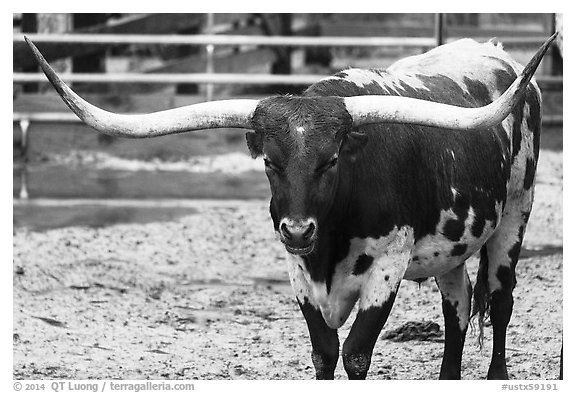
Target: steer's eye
270,165
330,164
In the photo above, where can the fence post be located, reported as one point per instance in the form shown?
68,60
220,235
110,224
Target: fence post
439,28
93,62
556,52
209,57
30,25
24,124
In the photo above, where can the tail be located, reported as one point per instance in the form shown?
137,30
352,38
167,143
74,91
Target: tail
481,305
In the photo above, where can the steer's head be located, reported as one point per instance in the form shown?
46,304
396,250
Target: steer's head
302,140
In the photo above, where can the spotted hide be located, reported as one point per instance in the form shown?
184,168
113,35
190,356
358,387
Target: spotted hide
386,202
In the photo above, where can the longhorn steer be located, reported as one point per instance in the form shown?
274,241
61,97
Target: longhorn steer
383,175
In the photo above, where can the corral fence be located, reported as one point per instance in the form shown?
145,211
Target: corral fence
210,78
209,41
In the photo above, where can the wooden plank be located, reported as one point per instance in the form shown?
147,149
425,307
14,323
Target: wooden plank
119,78
133,103
59,138
51,102
549,82
144,103
552,120
552,103
62,182
151,24
345,29
511,32
231,61
250,60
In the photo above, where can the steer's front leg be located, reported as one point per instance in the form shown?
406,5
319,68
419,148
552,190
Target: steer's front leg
376,299
325,344
324,340
358,347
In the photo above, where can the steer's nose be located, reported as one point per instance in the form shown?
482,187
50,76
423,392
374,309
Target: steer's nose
298,233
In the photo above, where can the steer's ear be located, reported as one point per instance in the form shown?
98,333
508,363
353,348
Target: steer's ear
255,141
353,143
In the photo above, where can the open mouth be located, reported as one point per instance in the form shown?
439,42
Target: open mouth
299,250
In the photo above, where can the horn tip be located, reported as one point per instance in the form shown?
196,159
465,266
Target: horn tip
551,39
30,43
535,61
33,48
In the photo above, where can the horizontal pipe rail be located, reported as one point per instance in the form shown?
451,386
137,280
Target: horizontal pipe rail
46,117
233,40
237,40
221,78
69,117
506,41
143,203
216,40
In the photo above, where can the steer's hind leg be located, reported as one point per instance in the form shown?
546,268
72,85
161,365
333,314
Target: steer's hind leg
456,293
502,251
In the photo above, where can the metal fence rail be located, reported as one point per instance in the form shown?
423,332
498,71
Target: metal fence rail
237,40
209,78
219,78
230,40
24,118
225,40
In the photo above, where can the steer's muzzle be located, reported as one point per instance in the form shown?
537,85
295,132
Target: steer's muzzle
298,236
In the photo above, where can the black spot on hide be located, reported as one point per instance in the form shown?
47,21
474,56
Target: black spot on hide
363,263
530,173
478,225
453,229
459,249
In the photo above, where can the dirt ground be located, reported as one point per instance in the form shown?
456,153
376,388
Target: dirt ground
206,296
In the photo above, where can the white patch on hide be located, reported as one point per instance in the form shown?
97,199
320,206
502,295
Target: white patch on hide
460,61
299,279
499,245
454,286
518,170
433,251
388,269
506,235
391,254
454,192
360,77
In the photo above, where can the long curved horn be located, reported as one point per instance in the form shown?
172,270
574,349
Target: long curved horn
216,114
393,109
